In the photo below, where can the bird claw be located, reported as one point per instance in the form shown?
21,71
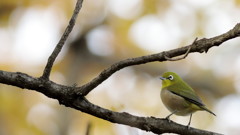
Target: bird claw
168,119
188,125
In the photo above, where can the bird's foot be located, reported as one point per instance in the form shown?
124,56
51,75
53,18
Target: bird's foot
188,126
168,118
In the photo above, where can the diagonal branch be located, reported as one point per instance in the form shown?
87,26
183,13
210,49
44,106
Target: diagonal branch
155,125
66,96
202,45
59,46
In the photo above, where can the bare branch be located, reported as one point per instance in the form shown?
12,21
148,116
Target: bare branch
202,45
66,96
155,125
58,48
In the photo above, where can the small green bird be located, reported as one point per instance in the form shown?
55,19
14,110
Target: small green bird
179,97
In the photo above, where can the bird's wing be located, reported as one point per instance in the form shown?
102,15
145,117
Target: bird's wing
187,93
194,100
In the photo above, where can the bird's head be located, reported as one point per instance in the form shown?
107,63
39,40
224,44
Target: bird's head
169,78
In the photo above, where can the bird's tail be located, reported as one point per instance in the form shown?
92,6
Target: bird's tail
205,108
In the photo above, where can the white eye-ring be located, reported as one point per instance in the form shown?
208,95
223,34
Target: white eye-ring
170,77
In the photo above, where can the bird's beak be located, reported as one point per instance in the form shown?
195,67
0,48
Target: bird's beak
162,78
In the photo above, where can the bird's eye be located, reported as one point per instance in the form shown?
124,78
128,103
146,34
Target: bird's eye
170,77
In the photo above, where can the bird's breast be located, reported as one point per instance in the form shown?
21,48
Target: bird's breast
175,103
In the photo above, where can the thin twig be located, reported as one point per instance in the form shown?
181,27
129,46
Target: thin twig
178,58
59,46
184,56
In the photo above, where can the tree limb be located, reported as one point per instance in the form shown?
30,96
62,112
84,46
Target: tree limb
202,45
66,96
59,46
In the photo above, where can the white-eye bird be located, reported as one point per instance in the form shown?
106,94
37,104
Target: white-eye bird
179,98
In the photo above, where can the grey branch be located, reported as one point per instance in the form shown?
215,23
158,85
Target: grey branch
202,45
67,96
59,46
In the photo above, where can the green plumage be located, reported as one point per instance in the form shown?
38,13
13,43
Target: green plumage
180,88
179,97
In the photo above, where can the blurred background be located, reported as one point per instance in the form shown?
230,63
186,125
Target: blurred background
108,31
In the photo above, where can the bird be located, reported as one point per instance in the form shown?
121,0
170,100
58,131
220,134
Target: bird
179,98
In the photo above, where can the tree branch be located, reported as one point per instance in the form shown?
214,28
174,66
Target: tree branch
202,45
74,96
59,46
66,96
